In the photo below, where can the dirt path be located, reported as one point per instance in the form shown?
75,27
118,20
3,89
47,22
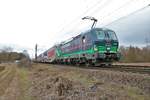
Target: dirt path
11,85
12,92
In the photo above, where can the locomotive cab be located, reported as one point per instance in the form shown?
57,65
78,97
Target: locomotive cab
105,44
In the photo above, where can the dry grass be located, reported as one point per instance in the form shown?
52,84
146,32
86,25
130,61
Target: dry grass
24,84
14,83
2,68
91,84
55,82
5,79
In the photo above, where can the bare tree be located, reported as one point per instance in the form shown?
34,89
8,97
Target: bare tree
25,60
7,49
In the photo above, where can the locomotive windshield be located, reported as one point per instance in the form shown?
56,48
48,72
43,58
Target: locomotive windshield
106,34
112,35
100,34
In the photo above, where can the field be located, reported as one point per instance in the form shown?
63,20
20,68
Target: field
59,82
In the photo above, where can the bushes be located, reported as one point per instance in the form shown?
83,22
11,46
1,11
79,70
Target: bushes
21,59
25,62
10,56
135,54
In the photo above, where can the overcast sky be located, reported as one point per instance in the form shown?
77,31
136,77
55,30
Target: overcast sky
23,23
133,29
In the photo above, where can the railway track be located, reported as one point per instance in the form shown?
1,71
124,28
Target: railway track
141,69
123,68
129,68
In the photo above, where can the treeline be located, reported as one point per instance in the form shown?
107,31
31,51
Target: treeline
135,54
10,56
7,55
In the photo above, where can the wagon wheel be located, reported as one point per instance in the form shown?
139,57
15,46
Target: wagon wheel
87,64
108,65
77,64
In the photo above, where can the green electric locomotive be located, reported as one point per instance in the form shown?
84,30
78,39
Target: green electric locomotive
93,47
96,46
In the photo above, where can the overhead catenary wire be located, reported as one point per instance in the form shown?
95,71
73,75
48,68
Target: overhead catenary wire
120,7
96,10
123,6
117,9
129,14
78,18
103,5
93,11
100,7
108,16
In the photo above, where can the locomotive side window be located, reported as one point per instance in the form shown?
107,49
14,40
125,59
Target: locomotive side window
83,39
112,35
100,34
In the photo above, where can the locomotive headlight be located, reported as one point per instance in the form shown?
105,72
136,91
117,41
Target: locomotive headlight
108,48
95,48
